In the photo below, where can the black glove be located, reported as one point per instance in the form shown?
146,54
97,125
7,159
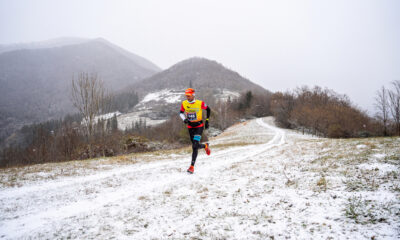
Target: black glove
186,121
206,124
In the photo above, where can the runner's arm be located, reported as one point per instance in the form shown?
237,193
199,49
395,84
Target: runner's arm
208,109
182,113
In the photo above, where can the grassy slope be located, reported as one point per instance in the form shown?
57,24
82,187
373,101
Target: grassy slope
306,188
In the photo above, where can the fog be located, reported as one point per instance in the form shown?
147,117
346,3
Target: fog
351,47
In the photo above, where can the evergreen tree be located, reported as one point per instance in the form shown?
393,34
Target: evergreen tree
249,98
108,127
114,123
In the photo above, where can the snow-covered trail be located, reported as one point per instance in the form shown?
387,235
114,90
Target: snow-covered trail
148,177
243,190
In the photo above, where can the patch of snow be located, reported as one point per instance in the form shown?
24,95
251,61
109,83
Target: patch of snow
382,167
379,155
213,132
129,119
145,107
165,95
225,94
107,115
104,116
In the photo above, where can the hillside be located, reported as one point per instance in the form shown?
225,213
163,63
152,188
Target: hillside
260,182
162,93
35,81
200,73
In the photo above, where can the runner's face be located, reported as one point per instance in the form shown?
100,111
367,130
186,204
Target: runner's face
189,98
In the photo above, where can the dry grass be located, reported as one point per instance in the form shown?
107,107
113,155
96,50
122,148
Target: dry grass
322,184
167,192
143,198
202,190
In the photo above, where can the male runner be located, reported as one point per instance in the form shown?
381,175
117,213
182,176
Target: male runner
191,114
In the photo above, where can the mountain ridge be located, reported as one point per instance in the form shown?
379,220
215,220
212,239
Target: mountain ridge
69,41
50,43
35,82
199,73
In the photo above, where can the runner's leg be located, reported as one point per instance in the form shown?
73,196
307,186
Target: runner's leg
195,137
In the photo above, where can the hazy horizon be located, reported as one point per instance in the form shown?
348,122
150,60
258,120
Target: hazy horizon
350,47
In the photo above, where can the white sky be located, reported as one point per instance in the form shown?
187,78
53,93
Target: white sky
352,47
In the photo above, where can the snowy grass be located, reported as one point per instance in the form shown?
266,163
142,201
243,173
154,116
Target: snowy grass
260,182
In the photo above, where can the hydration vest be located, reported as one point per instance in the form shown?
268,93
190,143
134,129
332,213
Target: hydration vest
194,111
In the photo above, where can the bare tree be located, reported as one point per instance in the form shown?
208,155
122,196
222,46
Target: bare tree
90,98
382,104
394,97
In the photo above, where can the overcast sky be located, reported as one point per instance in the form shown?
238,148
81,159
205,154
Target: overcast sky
352,47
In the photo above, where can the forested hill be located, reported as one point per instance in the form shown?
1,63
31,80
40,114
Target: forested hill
35,79
200,73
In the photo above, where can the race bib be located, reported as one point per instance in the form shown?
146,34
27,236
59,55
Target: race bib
192,116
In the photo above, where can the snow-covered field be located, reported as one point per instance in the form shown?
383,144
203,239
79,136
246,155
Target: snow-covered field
260,182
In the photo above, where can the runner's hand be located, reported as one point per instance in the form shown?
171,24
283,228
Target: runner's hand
186,121
206,124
